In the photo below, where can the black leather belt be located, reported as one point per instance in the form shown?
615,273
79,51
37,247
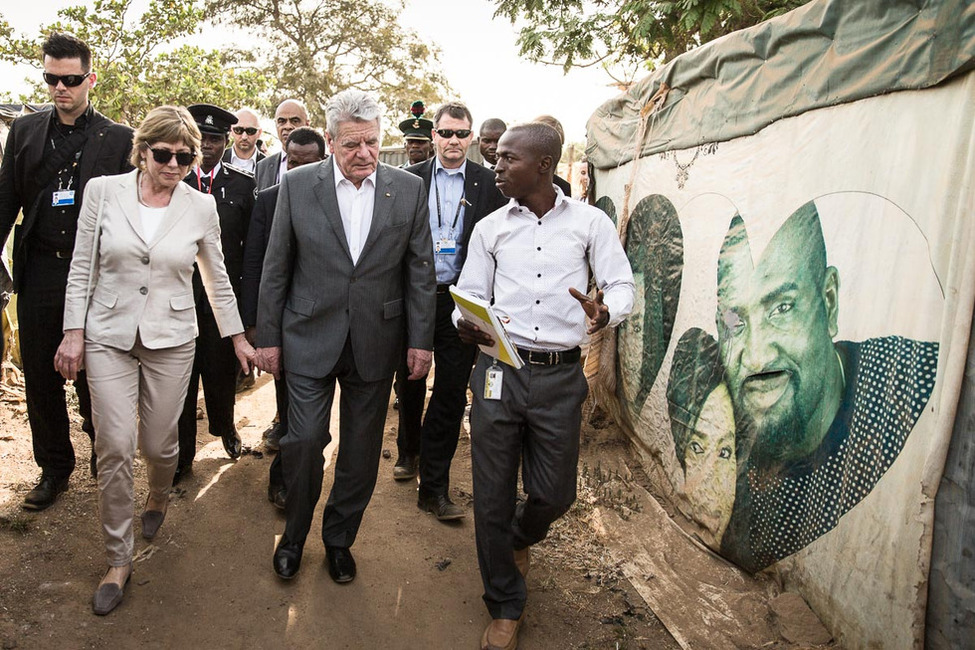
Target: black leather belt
443,288
537,358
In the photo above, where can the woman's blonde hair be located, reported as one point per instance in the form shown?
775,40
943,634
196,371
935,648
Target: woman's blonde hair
172,124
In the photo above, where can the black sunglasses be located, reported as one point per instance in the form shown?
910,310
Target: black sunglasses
163,156
449,133
249,130
69,80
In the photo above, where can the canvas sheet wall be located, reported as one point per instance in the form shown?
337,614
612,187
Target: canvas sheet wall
792,366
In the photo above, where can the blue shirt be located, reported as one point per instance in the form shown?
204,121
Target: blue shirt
449,184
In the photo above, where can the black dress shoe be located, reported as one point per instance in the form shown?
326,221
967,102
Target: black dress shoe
231,444
182,471
45,492
287,558
407,466
272,437
277,494
341,565
442,507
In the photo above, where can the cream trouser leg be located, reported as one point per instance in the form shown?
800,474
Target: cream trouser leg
124,384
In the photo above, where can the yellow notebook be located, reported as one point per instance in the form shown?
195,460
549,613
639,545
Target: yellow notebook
480,313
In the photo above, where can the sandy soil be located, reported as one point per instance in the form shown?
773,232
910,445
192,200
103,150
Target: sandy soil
206,581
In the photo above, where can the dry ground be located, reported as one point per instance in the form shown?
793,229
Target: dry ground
207,582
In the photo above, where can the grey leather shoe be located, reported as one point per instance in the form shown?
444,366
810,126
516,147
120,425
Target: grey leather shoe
151,521
108,596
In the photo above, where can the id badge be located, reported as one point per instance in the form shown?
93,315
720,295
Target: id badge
62,197
445,246
492,382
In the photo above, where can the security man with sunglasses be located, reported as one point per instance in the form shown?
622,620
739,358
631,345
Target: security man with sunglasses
460,193
216,364
247,132
49,158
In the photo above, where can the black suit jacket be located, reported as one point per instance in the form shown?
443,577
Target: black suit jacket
229,152
233,190
479,191
258,236
105,152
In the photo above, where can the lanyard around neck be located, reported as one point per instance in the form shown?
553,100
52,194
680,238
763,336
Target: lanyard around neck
199,179
460,204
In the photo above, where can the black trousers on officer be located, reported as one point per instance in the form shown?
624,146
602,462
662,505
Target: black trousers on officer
452,360
216,364
538,418
40,313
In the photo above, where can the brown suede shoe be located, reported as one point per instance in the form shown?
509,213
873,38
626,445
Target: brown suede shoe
523,560
501,634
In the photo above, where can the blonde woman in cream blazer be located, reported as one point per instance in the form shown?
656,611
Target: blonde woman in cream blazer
129,317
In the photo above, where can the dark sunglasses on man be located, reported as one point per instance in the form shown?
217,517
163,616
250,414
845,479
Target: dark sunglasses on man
69,80
449,133
240,130
163,156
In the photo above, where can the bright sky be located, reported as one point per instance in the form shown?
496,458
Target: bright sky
479,57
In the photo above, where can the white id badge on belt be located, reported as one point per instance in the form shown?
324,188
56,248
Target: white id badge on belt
62,197
445,246
492,382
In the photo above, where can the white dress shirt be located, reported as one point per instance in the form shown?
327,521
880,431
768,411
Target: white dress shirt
150,218
527,264
355,206
250,164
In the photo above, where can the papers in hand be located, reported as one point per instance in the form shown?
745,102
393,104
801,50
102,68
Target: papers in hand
479,312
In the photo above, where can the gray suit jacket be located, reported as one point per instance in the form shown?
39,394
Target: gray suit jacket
312,297
266,173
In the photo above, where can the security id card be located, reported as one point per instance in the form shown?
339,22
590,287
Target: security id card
445,246
492,382
62,197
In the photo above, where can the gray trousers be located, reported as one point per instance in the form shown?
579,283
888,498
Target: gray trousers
537,420
362,415
127,386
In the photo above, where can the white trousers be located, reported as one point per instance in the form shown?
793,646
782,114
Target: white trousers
136,397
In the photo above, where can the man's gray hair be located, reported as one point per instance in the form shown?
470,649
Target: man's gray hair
350,105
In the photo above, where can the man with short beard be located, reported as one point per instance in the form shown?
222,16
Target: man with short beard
244,153
818,422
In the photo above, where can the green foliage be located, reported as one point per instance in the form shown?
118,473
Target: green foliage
313,49
628,32
136,68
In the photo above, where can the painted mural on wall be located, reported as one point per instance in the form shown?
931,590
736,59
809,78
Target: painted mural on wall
780,426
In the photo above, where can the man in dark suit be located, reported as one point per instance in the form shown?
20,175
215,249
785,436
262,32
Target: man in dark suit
244,154
305,146
216,363
289,116
347,280
49,158
459,194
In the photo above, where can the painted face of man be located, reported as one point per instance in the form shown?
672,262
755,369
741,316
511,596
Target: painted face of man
356,149
775,324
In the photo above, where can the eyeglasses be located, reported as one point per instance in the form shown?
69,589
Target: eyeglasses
163,156
449,133
69,80
249,130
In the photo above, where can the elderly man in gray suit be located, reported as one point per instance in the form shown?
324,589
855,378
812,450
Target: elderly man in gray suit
348,280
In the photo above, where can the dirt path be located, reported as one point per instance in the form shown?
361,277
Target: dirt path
207,582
